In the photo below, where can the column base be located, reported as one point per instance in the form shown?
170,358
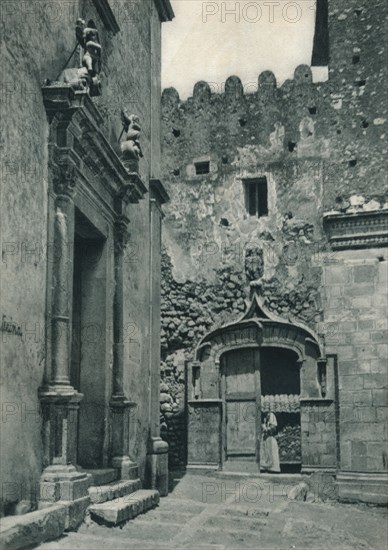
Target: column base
63,483
363,487
126,467
157,465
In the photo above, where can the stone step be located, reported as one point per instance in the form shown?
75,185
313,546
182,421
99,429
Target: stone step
102,476
103,493
122,509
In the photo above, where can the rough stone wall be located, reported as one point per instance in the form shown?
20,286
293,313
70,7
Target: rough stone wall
321,147
37,38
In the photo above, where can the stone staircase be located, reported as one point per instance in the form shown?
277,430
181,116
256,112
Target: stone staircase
115,501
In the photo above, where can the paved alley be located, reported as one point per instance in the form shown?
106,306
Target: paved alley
211,512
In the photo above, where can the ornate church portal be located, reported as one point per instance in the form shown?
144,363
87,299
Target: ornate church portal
243,371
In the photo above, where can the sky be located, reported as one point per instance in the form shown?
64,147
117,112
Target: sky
212,40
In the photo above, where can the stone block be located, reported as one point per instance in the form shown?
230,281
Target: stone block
366,324
346,397
345,353
362,398
376,451
76,512
328,460
366,352
49,491
382,324
336,275
375,464
378,365
382,351
361,302
73,490
347,413
358,290
364,273
362,431
359,463
379,336
118,489
362,487
346,454
366,414
33,528
359,448
380,299
382,414
375,381
125,508
351,382
380,397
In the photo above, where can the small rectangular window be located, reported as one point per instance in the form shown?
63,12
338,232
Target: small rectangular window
256,197
202,168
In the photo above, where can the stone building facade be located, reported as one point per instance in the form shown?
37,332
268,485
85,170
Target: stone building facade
81,218
275,264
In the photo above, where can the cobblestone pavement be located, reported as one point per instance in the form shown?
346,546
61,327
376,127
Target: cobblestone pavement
209,512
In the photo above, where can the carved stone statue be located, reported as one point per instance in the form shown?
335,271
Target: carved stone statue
87,37
130,145
87,76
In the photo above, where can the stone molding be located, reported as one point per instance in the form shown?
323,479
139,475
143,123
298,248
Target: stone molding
165,10
107,16
367,487
78,143
357,229
158,191
259,326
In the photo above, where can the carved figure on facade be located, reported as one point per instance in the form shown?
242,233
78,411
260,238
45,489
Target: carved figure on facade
86,77
130,146
254,264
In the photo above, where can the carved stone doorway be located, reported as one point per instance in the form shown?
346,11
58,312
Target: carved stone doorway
88,369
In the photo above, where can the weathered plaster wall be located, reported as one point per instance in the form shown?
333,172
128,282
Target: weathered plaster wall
33,47
38,42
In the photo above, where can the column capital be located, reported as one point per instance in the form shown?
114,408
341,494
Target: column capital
64,176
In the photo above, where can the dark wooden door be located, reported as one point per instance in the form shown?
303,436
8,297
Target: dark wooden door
242,405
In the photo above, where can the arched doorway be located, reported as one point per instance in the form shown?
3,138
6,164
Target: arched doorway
242,370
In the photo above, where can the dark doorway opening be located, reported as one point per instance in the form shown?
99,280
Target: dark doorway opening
88,357
280,393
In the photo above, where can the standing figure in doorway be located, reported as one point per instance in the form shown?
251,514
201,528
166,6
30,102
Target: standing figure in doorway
269,450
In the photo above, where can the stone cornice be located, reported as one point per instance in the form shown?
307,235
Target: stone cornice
357,229
107,16
85,143
165,11
158,191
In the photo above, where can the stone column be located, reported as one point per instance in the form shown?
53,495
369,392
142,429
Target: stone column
157,458
60,480
119,405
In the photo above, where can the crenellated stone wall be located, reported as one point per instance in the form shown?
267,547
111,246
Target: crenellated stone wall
322,149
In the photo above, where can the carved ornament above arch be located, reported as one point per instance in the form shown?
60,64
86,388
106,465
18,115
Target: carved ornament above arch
259,327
